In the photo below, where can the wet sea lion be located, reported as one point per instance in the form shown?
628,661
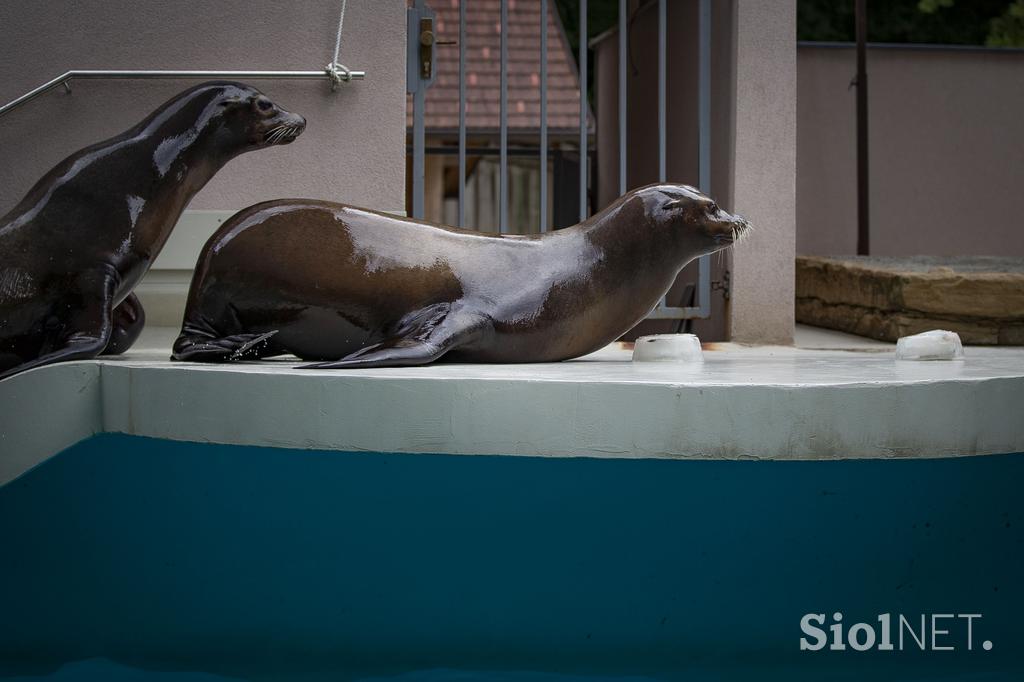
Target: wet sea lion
74,248
358,288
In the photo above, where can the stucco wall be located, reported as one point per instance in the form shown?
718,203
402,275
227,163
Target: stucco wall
354,146
946,151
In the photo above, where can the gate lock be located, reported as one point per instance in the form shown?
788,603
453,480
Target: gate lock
427,42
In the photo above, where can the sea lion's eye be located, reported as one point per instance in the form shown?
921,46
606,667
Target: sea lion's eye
712,207
264,104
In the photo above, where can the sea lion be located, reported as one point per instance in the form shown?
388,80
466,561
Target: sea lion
357,288
74,248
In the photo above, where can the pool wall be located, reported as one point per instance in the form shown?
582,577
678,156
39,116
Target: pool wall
270,563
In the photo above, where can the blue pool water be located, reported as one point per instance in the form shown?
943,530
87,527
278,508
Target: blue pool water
127,558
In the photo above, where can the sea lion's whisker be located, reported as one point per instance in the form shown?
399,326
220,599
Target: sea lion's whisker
276,129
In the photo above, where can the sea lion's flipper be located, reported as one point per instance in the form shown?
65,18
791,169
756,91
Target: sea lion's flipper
87,332
128,319
223,349
422,337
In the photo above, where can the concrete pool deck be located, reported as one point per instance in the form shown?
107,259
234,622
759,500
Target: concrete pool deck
822,402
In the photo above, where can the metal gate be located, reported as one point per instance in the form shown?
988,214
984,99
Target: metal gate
422,43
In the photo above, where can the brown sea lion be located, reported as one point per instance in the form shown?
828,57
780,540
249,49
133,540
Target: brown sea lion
74,248
358,288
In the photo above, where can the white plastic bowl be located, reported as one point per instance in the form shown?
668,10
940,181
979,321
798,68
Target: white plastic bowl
668,348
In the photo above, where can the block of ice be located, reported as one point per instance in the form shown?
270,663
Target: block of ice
668,348
937,344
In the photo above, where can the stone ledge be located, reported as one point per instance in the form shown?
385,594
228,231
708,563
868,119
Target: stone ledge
981,298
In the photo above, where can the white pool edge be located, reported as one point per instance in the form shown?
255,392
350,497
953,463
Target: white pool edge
596,409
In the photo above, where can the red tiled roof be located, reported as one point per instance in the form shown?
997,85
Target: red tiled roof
483,36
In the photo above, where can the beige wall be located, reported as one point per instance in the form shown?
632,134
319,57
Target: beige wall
354,146
946,151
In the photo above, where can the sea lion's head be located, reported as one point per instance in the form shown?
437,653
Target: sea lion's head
232,118
692,218
255,121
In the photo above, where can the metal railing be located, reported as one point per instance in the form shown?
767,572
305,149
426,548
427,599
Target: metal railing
332,76
418,86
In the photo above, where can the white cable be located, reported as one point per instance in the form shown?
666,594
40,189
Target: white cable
336,71
337,39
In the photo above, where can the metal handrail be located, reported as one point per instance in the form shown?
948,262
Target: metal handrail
334,76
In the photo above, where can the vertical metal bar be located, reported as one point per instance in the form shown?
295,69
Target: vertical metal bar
623,47
543,115
583,110
863,225
704,98
662,69
704,146
462,113
662,133
418,142
503,182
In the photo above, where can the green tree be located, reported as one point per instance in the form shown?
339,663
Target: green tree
942,22
1007,30
601,16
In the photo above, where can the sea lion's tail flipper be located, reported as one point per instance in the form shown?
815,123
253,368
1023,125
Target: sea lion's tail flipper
422,337
201,348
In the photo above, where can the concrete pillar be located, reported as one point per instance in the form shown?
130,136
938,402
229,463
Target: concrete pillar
764,170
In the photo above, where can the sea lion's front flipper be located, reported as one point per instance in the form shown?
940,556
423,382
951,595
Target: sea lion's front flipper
203,348
422,337
86,332
127,322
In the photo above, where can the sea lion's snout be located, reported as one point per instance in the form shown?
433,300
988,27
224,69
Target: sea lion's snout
285,129
726,228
